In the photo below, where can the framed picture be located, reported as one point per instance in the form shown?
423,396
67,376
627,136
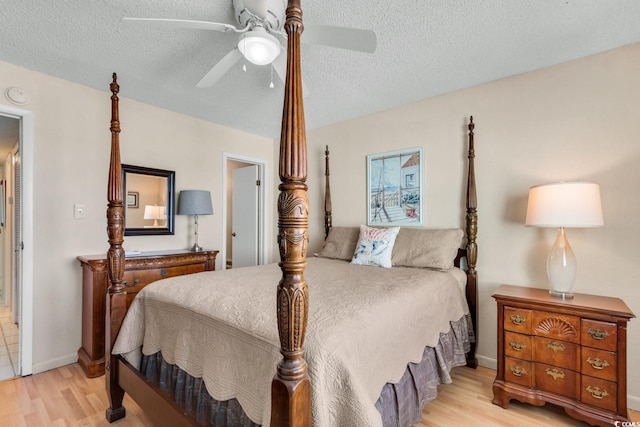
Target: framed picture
133,198
394,188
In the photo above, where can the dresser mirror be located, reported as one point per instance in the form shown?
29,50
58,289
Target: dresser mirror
148,200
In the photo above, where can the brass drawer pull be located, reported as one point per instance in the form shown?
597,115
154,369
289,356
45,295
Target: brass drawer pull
517,345
597,334
597,363
555,373
518,371
597,392
135,283
556,346
517,319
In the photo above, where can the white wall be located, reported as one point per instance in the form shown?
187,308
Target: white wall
71,160
575,121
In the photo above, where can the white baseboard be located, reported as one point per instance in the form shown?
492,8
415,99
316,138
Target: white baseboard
487,362
55,363
633,402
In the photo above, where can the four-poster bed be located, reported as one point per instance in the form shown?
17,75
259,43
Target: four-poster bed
290,402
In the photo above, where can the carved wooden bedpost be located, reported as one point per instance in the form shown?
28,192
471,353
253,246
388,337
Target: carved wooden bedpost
116,294
327,195
291,388
472,247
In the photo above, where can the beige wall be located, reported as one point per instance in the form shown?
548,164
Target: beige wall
569,122
575,121
71,152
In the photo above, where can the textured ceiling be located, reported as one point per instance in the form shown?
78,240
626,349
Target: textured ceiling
425,48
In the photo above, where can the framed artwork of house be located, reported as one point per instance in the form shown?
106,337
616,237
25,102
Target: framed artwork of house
394,188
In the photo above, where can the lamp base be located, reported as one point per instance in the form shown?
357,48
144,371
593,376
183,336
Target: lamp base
561,267
562,295
196,248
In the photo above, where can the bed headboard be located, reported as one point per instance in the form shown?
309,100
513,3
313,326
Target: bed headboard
469,253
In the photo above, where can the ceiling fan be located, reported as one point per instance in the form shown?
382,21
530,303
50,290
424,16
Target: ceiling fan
261,36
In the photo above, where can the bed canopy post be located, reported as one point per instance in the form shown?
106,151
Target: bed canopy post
116,306
291,387
472,247
327,195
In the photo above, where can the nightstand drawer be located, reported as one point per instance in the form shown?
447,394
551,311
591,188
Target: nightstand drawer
556,326
600,393
517,320
599,363
556,352
518,371
517,345
599,334
557,380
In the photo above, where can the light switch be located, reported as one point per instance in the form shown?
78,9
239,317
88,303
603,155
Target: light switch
79,211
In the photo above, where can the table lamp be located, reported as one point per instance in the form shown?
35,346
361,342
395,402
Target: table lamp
155,213
195,202
563,205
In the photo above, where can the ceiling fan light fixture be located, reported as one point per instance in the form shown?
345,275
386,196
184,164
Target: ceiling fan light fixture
259,47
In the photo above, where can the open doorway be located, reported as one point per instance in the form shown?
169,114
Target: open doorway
244,214
16,241
9,291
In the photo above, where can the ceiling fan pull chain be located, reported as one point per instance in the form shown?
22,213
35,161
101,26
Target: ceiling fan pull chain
271,84
244,58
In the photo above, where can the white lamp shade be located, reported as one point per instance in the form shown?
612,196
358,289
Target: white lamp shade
195,202
565,204
154,212
259,47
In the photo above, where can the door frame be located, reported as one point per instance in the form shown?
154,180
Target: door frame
263,167
26,144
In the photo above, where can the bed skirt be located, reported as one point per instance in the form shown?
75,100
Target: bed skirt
399,404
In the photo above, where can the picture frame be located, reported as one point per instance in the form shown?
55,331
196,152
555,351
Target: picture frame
395,188
133,199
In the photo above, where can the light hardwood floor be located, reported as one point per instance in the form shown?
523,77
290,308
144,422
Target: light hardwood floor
65,397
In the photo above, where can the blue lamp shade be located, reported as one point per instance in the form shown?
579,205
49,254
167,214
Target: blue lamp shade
195,202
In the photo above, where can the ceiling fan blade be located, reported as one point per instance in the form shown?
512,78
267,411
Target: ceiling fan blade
220,68
341,37
182,23
280,65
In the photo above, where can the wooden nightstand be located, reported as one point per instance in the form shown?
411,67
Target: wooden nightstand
571,353
139,270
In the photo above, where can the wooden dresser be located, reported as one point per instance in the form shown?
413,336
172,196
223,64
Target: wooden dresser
140,270
571,353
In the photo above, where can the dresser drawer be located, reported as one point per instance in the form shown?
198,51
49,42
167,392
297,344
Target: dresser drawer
138,279
518,371
600,393
517,320
556,326
556,352
599,363
555,379
601,335
517,345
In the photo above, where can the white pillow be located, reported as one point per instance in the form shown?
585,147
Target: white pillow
375,246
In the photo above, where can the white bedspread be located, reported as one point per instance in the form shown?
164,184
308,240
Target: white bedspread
365,324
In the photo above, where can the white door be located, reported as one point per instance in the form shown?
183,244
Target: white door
244,216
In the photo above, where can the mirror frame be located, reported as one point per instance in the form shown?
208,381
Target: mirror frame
171,178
